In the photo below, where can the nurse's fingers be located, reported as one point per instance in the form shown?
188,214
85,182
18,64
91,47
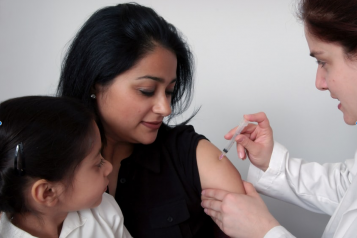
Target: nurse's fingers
214,214
241,152
260,118
212,205
216,194
246,131
248,144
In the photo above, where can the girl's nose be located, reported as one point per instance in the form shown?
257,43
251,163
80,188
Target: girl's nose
108,168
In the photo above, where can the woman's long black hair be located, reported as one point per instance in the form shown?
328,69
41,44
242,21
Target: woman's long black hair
112,41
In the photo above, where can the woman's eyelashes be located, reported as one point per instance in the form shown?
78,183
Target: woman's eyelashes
150,93
169,92
147,93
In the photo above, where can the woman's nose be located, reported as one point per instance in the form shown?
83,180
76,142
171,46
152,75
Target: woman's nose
320,81
162,105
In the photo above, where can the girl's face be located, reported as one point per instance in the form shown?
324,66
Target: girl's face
133,106
337,74
90,180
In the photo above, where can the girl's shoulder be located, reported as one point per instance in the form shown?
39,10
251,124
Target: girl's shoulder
105,220
108,208
7,229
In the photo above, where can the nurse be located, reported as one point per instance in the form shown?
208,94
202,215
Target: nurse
331,34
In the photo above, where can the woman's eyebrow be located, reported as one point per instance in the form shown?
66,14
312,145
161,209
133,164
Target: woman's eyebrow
160,80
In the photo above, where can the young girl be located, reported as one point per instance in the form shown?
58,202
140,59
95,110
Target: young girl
52,174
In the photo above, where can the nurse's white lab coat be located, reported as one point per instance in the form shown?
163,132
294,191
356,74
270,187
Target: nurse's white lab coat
330,188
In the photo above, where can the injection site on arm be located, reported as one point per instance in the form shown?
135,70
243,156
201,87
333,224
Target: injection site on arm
240,128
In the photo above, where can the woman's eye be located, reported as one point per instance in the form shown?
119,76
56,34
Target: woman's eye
169,93
102,161
147,93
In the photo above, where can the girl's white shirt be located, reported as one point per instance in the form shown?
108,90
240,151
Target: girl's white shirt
329,188
106,220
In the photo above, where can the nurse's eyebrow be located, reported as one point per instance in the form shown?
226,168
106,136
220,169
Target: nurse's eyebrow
160,80
314,53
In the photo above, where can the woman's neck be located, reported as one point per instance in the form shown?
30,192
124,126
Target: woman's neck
115,151
41,225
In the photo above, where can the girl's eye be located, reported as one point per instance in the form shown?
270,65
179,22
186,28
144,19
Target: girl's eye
147,93
319,62
102,161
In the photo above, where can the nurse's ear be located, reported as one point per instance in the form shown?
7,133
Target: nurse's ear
46,194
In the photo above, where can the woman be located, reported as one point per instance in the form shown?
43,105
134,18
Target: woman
331,34
134,69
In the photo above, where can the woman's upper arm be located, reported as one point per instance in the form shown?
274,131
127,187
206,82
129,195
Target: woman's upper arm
215,173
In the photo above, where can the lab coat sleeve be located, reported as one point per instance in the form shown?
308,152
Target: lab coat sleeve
278,232
318,188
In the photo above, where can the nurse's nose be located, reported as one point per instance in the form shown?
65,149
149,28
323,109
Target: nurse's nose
320,81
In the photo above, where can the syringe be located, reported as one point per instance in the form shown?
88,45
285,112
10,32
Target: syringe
240,127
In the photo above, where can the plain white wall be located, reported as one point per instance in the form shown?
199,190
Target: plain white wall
250,56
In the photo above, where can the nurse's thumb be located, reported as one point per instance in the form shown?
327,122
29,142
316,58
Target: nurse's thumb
249,189
248,144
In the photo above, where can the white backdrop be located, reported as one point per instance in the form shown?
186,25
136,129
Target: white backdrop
250,56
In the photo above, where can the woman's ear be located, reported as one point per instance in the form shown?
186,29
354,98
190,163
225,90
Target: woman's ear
94,89
46,193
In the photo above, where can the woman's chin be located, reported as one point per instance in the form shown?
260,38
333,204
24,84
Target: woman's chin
148,139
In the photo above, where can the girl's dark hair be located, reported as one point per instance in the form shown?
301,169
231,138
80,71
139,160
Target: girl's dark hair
54,135
332,21
112,41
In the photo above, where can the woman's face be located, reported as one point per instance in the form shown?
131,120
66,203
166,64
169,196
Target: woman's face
133,106
337,74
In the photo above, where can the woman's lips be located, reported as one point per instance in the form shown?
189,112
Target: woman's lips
152,125
339,106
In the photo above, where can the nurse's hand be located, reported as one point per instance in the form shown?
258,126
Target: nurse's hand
256,140
239,215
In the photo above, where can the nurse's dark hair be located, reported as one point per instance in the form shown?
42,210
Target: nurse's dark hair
332,21
56,135
112,41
